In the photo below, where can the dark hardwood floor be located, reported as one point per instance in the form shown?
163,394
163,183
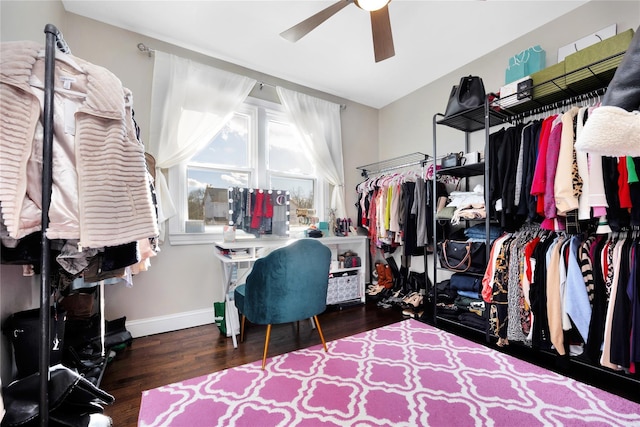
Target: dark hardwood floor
162,359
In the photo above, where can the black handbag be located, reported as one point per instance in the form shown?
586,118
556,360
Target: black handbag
462,257
467,95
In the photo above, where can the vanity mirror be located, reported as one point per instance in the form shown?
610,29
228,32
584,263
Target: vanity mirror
259,212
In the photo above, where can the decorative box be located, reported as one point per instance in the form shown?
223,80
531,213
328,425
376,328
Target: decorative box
595,58
344,288
515,92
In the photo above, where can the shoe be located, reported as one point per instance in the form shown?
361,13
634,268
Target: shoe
414,300
408,297
385,277
375,290
390,282
413,314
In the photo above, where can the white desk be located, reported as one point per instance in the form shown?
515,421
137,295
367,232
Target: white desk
257,248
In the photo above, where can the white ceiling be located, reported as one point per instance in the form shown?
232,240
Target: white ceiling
431,38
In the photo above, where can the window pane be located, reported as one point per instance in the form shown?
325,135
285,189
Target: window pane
207,191
302,210
230,147
285,151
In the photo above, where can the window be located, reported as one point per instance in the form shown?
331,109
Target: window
289,169
257,148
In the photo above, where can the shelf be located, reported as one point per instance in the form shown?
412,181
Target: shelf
459,324
473,120
475,169
566,86
344,270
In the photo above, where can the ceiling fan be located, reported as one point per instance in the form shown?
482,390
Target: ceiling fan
380,25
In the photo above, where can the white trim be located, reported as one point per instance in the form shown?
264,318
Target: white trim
172,322
177,239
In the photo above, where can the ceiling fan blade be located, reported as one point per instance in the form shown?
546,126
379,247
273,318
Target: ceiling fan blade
300,30
382,37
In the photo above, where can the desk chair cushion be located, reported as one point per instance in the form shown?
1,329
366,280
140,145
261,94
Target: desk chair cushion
288,285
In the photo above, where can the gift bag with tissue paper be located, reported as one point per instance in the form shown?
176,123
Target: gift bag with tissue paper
525,63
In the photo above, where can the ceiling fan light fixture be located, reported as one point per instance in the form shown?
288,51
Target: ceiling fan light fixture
371,5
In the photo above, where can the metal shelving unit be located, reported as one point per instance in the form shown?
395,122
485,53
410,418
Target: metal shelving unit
587,82
483,117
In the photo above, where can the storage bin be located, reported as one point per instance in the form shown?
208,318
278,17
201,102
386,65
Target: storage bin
345,287
549,83
594,57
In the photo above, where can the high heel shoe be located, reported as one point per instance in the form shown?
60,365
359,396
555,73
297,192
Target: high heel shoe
414,301
375,290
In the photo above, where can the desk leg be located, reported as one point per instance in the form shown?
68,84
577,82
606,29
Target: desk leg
229,310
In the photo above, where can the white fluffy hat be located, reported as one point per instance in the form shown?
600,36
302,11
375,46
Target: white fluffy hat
611,131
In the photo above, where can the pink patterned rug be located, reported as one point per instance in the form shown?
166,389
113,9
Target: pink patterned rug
405,374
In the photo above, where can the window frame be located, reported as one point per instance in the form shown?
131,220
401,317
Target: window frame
260,111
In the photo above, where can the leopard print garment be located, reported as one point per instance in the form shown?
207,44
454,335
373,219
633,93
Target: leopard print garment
515,296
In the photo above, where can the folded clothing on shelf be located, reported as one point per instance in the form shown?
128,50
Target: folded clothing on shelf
479,231
465,282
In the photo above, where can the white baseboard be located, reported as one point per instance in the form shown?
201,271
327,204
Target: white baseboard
172,322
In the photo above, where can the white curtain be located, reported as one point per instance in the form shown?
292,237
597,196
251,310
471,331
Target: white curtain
190,103
318,123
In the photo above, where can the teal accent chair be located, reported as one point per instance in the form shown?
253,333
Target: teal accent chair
287,285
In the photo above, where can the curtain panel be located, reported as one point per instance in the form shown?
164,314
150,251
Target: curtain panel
190,103
318,124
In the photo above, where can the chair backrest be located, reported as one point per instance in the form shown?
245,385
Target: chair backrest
289,284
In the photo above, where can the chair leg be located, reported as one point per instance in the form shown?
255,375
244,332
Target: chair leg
324,344
266,346
242,327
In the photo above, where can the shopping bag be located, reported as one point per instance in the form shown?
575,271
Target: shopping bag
525,63
220,319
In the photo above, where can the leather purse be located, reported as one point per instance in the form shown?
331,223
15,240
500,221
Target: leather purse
467,95
462,257
451,160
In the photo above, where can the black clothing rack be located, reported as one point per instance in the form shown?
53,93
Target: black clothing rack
557,105
407,160
54,40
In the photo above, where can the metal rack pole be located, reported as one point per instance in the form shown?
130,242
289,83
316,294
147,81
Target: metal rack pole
51,33
434,221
